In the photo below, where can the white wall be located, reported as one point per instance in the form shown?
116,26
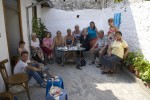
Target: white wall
3,40
24,4
3,46
61,20
135,22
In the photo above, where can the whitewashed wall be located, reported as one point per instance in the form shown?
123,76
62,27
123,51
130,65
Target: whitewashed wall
24,4
135,21
3,40
3,46
61,20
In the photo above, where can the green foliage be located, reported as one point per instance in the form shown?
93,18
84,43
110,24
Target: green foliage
38,28
129,59
140,64
146,75
118,0
35,26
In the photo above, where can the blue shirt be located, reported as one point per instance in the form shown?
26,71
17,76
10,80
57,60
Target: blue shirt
92,33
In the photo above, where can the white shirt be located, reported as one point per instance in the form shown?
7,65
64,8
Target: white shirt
20,67
102,42
36,43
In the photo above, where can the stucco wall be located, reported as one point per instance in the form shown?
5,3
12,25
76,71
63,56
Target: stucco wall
134,22
3,45
3,40
24,4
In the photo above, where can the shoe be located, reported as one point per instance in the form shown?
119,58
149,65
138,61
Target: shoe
99,65
104,72
78,67
43,85
91,63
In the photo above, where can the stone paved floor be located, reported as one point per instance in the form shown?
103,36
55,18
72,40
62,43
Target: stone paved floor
89,84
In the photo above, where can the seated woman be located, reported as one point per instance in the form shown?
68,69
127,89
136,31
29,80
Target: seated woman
58,42
76,34
115,54
35,44
69,39
85,40
21,47
47,46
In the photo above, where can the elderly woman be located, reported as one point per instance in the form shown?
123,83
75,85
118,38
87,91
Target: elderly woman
35,44
85,40
111,31
58,42
115,53
69,38
47,46
92,32
76,34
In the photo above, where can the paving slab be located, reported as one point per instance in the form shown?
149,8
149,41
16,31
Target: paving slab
90,84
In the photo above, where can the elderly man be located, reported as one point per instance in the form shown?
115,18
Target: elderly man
32,70
99,47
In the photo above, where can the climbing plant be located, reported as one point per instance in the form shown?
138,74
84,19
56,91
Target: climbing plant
38,28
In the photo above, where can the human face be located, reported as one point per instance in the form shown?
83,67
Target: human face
100,35
34,37
118,36
24,57
92,25
69,32
22,45
76,27
84,32
110,23
59,34
48,35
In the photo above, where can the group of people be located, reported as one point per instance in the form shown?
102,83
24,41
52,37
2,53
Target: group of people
110,48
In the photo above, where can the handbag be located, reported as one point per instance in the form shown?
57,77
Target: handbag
82,62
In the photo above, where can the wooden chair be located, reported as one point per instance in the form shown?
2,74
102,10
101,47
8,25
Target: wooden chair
17,79
6,96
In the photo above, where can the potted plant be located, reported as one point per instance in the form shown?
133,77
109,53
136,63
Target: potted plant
129,61
138,63
146,76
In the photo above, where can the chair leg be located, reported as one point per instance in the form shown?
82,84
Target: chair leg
27,89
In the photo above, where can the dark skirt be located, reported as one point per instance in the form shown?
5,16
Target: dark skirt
47,51
109,62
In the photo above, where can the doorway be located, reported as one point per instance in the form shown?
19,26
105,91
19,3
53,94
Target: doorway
13,25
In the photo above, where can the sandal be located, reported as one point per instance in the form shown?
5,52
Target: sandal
104,72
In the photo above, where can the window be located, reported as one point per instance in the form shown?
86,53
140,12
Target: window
64,0
34,11
95,0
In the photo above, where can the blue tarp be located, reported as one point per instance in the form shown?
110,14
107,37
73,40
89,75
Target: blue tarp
117,19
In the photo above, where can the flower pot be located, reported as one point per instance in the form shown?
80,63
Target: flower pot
148,85
137,73
131,69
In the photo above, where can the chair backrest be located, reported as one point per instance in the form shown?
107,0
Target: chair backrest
3,70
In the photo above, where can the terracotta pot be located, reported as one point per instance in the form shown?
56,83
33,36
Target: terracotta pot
137,73
145,84
148,84
131,69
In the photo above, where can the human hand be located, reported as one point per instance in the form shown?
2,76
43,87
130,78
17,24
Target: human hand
109,54
100,52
